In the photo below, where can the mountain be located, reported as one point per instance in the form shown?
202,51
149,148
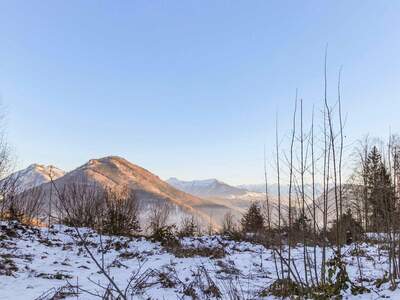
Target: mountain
273,188
33,176
149,189
229,198
257,188
114,171
208,200
206,188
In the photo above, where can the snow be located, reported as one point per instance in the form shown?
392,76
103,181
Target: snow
35,175
40,254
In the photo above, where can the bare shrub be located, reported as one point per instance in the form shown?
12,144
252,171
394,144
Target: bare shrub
111,211
8,185
160,231
135,282
158,218
189,227
120,215
24,207
30,204
84,203
210,252
228,224
10,210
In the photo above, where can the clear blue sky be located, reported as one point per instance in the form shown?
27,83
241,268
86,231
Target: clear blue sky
188,88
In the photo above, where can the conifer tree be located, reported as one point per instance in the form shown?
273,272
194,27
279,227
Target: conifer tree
350,228
380,191
253,220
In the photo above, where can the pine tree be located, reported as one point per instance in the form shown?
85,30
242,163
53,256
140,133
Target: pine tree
350,228
380,191
253,220
301,224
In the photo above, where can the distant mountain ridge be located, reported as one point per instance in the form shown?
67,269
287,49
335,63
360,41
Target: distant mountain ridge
273,188
209,188
206,188
230,198
208,199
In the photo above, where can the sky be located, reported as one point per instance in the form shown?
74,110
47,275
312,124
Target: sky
189,89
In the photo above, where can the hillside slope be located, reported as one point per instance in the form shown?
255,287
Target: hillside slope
149,189
38,263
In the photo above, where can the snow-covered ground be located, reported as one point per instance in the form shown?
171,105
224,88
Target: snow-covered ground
38,263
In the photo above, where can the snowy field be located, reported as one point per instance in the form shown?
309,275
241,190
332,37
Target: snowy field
39,264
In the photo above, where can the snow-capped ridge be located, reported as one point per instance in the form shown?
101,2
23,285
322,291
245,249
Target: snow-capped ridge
34,175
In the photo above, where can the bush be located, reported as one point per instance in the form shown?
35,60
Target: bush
188,227
253,220
283,288
111,211
120,214
158,217
210,252
165,235
229,227
24,207
81,205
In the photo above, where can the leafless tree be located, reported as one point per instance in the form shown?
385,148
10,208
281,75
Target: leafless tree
9,185
291,182
159,215
120,212
279,199
267,204
228,224
83,202
188,227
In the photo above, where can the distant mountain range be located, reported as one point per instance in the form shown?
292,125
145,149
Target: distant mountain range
273,188
216,188
208,200
236,199
207,188
114,171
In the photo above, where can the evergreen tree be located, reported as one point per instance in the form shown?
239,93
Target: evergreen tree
301,224
350,229
253,220
380,191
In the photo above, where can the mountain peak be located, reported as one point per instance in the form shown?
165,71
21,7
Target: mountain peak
35,175
110,158
149,189
41,168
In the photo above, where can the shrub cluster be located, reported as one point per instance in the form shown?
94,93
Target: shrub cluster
111,211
